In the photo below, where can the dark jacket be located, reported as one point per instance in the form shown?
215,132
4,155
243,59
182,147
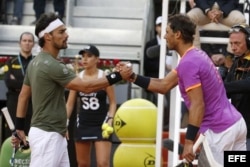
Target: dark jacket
151,65
226,6
237,84
17,69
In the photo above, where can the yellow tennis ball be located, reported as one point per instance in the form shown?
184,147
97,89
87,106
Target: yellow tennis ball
104,126
105,134
110,130
135,155
135,121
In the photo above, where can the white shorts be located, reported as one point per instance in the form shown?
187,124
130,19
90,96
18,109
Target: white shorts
233,138
48,149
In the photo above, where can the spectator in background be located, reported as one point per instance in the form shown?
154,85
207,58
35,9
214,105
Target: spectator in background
17,12
226,12
237,82
150,70
221,57
15,70
222,62
151,66
93,112
39,8
151,62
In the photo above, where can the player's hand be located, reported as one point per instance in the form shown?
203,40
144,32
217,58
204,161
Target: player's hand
188,151
18,137
122,66
125,69
15,142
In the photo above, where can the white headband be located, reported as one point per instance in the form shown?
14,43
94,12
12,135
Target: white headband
52,26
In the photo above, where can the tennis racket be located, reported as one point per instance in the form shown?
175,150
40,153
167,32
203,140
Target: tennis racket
198,142
13,130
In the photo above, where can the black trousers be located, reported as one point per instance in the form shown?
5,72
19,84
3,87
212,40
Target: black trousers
39,7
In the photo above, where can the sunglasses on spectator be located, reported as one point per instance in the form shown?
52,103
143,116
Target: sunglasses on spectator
236,29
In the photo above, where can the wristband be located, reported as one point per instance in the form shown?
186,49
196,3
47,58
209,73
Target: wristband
20,123
191,132
114,77
109,118
142,81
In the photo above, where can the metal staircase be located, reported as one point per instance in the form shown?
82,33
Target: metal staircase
119,28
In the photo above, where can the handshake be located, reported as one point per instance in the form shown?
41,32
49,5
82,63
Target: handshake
107,130
124,69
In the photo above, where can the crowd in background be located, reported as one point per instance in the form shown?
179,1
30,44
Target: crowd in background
18,7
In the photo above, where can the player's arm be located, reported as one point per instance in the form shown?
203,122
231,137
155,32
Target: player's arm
88,86
196,113
197,107
71,102
23,101
22,106
155,84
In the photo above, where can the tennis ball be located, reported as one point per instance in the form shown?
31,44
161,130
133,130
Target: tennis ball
105,134
104,126
135,121
109,129
135,155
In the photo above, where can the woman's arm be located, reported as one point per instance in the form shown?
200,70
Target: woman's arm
112,103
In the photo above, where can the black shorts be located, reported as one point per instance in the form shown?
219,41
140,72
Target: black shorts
89,133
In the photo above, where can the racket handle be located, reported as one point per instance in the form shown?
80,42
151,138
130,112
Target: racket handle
25,147
198,142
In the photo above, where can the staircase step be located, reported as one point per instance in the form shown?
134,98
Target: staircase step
107,23
111,3
108,12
